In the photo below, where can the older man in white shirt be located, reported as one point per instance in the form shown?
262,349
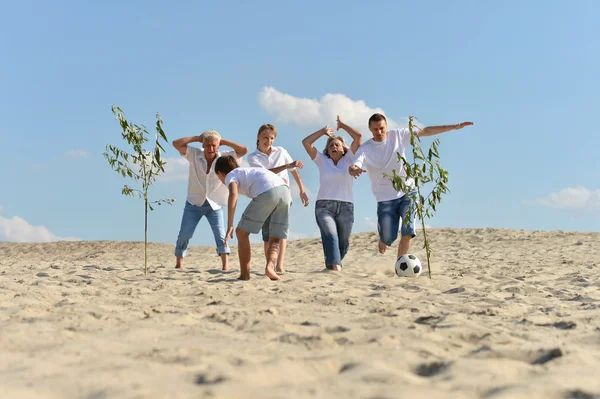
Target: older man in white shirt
206,195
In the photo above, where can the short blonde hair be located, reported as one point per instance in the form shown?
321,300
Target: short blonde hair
341,140
211,135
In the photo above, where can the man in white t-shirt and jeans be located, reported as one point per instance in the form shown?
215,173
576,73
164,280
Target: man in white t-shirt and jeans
379,156
206,195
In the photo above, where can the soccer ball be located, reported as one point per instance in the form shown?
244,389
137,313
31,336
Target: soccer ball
408,266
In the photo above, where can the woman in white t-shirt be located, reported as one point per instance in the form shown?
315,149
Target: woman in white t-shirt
334,209
278,161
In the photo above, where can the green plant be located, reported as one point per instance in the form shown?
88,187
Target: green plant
141,165
422,170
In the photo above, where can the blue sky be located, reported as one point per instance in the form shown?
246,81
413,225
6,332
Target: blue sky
524,72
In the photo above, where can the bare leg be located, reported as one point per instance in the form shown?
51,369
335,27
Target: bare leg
225,261
272,256
404,245
244,253
281,257
179,263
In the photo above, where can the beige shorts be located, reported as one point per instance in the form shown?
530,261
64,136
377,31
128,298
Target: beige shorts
274,205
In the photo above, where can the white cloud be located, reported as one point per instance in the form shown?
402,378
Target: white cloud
419,225
296,236
17,229
574,199
176,169
292,235
295,190
370,222
305,112
77,154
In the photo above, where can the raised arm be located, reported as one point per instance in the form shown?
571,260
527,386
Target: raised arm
231,204
182,143
355,134
433,130
311,138
239,149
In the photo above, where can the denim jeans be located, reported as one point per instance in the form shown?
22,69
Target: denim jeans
389,215
335,220
191,216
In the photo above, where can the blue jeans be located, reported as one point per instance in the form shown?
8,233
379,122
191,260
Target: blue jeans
191,216
389,214
335,220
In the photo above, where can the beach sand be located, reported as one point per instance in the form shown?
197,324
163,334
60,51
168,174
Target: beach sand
508,314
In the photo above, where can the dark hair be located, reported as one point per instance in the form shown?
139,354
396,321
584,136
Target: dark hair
225,164
377,118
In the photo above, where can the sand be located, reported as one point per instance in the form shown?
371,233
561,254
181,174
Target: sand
508,314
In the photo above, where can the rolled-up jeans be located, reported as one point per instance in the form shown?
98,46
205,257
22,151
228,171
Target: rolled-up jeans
390,216
335,220
191,216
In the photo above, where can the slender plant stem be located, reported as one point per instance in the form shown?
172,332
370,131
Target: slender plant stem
427,250
146,235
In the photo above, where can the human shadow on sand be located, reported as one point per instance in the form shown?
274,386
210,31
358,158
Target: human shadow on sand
234,278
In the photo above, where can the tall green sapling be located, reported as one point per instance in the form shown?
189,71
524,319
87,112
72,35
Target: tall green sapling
141,165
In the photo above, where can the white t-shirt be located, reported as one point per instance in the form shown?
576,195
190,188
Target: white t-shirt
335,181
278,157
203,186
252,182
380,158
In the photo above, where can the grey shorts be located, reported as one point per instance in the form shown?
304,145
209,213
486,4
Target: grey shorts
273,205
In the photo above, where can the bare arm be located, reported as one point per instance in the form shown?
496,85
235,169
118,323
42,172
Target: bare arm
355,134
303,195
310,139
231,204
182,143
433,130
356,169
239,149
295,164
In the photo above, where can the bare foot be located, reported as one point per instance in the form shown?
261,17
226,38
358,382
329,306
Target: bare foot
178,266
336,268
381,246
226,268
279,270
270,273
243,277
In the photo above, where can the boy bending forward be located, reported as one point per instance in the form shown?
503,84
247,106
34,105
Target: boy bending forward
270,198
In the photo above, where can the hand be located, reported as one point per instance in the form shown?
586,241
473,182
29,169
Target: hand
327,130
355,171
463,124
228,235
296,164
304,198
200,138
340,124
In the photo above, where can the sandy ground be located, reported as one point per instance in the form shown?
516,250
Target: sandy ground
508,314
